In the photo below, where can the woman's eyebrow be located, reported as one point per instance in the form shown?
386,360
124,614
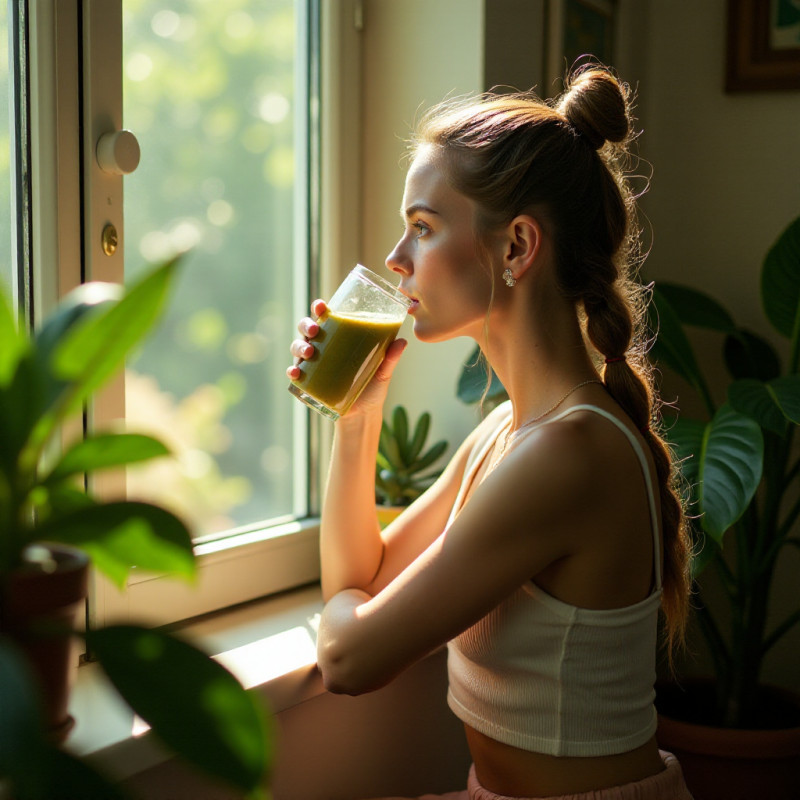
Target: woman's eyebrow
416,208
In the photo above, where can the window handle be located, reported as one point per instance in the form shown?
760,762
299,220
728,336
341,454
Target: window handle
118,152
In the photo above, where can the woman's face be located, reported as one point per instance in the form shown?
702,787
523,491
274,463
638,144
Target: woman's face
437,256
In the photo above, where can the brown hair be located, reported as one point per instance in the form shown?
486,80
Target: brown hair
568,159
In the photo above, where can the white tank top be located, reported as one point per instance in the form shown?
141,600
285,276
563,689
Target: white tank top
545,676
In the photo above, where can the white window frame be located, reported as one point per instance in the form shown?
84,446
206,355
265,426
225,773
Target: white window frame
250,563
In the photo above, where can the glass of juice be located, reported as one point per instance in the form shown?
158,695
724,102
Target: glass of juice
363,318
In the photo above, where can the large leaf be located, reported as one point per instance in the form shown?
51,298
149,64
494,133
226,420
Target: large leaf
473,378
121,535
193,704
730,468
671,346
748,355
686,437
758,401
786,391
93,350
105,451
696,308
780,281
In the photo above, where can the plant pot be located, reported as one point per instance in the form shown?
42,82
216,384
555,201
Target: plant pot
730,763
387,514
38,608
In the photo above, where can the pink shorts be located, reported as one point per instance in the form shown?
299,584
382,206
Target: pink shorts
666,785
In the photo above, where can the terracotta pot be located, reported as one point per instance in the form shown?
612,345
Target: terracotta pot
38,608
735,764
387,514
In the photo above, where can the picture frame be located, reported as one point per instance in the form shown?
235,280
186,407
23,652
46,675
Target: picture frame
575,29
763,46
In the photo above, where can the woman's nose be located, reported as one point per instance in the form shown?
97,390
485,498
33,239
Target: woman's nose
397,261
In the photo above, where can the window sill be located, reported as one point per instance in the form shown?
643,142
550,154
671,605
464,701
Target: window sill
270,644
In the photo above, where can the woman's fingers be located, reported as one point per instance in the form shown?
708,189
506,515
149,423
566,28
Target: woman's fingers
308,328
300,348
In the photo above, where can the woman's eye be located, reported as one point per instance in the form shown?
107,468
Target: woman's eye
420,227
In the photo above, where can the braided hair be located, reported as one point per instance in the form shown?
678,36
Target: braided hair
568,159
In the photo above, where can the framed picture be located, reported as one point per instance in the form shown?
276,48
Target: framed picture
763,45
577,28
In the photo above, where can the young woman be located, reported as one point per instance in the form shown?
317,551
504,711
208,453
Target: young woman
544,552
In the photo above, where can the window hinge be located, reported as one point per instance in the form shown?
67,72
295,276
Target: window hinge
358,15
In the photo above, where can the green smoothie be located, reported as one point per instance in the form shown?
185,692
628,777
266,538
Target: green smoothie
348,349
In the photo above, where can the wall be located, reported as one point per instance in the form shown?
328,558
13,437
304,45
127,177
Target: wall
726,181
415,53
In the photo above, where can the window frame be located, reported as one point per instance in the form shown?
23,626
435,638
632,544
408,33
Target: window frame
65,42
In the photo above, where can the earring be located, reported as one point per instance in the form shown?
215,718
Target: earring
508,277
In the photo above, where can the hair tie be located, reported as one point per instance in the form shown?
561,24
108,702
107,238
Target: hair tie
612,359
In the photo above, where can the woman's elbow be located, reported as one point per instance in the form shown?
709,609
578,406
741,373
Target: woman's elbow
339,674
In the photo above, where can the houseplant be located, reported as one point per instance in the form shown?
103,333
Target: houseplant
402,466
742,476
46,517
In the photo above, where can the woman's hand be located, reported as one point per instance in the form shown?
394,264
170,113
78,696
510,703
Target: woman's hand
371,400
302,349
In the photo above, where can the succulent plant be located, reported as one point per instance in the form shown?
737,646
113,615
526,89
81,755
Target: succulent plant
401,462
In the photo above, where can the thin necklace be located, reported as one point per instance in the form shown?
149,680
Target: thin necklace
512,434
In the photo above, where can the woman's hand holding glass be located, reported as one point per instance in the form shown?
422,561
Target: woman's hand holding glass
372,399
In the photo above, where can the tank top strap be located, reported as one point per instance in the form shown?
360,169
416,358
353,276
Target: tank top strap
637,448
476,457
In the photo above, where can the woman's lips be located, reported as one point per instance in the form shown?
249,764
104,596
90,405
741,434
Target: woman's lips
414,305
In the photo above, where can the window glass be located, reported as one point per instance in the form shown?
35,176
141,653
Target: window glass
210,92
6,258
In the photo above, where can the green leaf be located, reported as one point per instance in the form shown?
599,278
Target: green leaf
780,281
121,535
686,437
696,308
420,436
671,345
472,381
731,464
755,399
435,453
706,550
95,348
193,704
749,356
786,392
14,341
105,451
388,446
400,429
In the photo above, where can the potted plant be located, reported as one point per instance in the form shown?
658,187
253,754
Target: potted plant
51,526
741,471
401,461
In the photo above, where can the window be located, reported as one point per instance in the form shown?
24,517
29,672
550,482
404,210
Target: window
216,95
8,157
223,102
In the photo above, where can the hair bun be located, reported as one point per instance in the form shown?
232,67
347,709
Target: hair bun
595,105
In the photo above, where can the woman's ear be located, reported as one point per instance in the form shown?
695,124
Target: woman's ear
523,244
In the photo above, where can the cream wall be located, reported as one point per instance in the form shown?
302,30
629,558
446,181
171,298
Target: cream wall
415,52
